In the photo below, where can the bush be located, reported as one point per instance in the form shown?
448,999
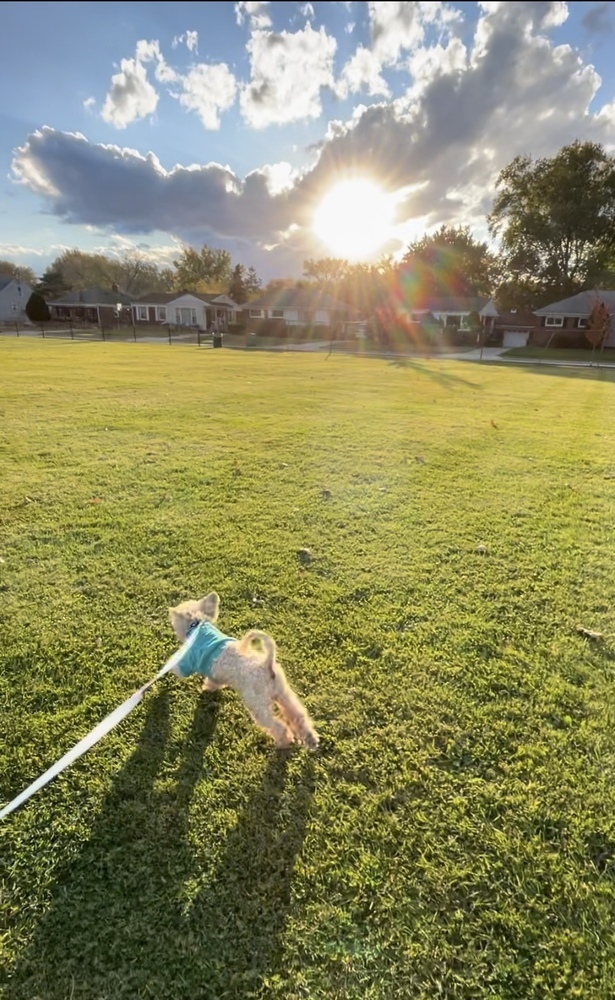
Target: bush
37,309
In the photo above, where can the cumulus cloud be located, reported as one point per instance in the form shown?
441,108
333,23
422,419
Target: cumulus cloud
468,110
254,12
208,90
131,96
362,72
288,72
397,28
107,185
308,11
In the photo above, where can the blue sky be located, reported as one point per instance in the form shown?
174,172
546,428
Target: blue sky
141,126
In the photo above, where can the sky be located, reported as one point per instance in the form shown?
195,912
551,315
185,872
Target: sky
282,131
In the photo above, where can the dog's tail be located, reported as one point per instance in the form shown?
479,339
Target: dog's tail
254,635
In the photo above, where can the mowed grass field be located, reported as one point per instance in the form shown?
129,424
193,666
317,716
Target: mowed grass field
455,834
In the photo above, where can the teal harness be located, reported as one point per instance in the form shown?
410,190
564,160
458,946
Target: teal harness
200,656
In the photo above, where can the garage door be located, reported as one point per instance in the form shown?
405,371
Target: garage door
515,338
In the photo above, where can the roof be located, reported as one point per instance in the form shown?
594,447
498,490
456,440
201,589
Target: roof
297,298
92,297
164,298
521,320
580,304
5,279
456,304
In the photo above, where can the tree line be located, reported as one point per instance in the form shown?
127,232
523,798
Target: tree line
553,220
205,270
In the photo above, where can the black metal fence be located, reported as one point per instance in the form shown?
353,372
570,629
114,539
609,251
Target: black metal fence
121,334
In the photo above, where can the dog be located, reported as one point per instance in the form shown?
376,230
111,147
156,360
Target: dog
226,662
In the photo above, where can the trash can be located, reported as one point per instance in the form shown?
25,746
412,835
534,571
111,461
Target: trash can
217,339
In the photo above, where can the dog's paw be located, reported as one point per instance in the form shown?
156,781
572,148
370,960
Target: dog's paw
311,741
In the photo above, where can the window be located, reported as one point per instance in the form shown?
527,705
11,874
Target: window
19,290
142,313
322,317
257,313
277,314
554,321
582,322
453,320
161,314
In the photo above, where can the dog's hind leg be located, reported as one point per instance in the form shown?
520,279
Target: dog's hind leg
263,715
297,717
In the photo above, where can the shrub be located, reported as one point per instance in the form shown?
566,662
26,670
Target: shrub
37,309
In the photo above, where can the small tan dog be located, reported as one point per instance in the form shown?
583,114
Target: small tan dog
225,662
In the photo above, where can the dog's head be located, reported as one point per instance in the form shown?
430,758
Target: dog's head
182,617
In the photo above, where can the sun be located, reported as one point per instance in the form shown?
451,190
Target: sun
354,219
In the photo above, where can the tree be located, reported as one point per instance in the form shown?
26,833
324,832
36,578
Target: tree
555,218
237,288
449,262
18,271
37,309
133,274
204,270
253,283
326,272
52,283
598,326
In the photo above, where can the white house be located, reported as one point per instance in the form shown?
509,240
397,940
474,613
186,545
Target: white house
183,309
13,297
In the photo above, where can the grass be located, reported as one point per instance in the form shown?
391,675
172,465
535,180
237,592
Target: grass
562,354
455,835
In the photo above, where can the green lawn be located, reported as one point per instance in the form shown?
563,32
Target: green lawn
455,835
563,354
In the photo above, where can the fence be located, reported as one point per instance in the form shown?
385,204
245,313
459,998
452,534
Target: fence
125,334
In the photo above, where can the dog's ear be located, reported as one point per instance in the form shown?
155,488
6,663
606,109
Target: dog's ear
209,606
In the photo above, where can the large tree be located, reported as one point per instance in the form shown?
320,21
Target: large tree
555,218
133,274
204,270
18,271
326,272
449,262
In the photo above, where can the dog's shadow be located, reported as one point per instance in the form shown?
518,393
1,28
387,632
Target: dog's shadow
132,917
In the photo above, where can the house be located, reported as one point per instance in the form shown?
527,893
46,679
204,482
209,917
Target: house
564,321
305,306
183,309
515,328
14,295
451,311
100,306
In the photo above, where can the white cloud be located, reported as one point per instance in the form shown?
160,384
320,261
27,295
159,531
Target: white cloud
400,26
16,250
254,12
205,89
288,71
308,11
131,95
191,39
208,90
362,71
89,103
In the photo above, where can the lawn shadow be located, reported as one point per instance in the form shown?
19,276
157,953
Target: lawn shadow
411,362
119,926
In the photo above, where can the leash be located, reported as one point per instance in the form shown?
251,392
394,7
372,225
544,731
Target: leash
97,733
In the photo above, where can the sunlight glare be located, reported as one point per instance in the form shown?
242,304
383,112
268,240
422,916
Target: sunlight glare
354,219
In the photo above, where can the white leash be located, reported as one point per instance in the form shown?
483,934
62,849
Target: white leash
97,733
